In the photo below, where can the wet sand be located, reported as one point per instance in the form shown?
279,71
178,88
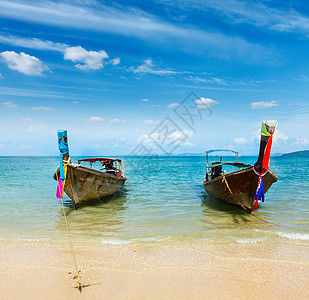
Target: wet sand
36,270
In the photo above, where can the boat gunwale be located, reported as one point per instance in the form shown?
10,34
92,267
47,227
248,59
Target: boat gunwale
91,171
230,163
227,175
94,159
97,172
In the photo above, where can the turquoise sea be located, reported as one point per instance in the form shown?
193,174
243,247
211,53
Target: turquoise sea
162,200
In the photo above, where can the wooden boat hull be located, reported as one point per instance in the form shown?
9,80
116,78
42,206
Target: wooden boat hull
238,187
84,185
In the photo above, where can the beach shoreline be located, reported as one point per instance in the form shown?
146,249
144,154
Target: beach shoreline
45,270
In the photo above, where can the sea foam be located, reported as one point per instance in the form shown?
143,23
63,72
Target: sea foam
294,236
249,240
114,242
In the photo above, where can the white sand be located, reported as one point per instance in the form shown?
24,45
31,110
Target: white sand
35,270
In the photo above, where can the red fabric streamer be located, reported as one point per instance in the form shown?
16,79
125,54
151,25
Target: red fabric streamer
265,164
256,204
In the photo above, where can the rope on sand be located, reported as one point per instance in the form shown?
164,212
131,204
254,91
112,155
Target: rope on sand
79,286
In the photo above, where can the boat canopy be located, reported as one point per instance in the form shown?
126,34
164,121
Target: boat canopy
217,150
94,159
230,163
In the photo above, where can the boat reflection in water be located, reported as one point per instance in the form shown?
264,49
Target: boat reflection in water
99,219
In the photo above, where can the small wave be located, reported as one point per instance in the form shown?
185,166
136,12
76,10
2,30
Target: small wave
152,239
294,236
136,240
249,240
115,242
34,240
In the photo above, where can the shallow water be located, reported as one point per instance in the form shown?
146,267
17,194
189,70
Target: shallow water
163,200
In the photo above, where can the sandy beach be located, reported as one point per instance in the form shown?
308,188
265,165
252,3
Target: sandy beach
167,141
36,270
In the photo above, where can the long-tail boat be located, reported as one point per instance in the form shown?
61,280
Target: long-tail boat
84,184
245,186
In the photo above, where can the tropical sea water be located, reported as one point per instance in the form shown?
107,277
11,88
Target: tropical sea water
162,200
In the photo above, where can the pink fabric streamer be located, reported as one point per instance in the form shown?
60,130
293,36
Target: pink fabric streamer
59,192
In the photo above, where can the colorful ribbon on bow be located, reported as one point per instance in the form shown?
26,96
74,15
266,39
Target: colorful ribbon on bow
259,194
267,132
64,149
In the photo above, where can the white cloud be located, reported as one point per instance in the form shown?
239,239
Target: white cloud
179,135
24,63
205,103
25,119
25,147
148,138
280,136
148,68
303,78
145,100
257,13
263,104
302,141
219,80
143,138
114,61
151,122
131,22
118,121
156,135
198,79
9,104
43,108
32,128
176,138
173,105
240,140
32,43
87,60
96,119
216,80
256,137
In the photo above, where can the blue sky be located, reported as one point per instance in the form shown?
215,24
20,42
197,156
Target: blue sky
113,74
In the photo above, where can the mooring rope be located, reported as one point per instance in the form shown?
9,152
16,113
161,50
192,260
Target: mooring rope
261,219
227,185
79,285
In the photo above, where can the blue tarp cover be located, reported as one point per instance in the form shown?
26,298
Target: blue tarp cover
210,151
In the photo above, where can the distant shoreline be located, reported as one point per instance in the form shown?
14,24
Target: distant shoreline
304,153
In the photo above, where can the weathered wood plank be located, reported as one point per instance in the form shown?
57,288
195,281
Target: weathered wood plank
242,186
